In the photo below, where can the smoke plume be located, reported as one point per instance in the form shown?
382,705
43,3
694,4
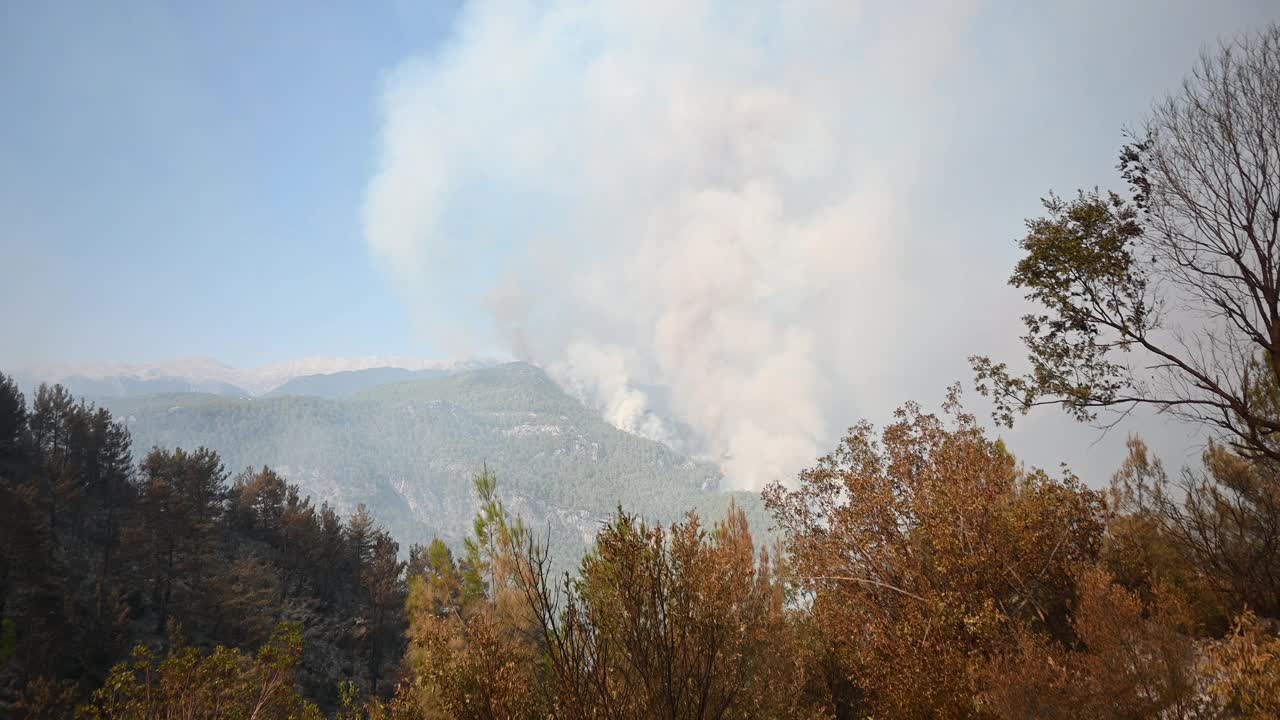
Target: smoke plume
699,196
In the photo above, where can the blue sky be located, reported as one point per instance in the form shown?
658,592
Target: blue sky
791,215
185,179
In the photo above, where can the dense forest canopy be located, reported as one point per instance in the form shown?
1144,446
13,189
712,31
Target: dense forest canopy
919,570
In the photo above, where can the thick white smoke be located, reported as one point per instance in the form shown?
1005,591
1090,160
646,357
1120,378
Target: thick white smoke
702,196
600,375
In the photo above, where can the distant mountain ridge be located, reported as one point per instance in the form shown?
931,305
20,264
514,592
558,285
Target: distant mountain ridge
409,448
207,375
350,382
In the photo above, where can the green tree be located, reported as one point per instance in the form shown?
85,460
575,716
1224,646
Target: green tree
327,553
15,431
182,501
359,537
52,421
383,581
16,500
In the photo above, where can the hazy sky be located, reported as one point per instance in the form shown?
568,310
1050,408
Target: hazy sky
811,201
186,178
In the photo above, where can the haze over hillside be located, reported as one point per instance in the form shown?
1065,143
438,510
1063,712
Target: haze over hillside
200,374
407,444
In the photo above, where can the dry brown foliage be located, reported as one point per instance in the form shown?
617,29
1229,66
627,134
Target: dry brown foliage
924,552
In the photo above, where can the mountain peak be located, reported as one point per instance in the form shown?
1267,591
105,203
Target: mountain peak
211,375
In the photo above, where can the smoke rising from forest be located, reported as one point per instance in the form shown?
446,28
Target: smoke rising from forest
694,196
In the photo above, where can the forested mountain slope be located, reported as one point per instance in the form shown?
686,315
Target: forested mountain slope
409,451
99,554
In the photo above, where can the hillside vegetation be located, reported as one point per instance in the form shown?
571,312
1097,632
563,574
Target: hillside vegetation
172,553
408,451
918,570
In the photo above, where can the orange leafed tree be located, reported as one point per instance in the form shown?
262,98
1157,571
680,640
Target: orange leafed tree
925,551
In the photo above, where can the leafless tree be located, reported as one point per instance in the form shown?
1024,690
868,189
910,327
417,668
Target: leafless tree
1169,298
